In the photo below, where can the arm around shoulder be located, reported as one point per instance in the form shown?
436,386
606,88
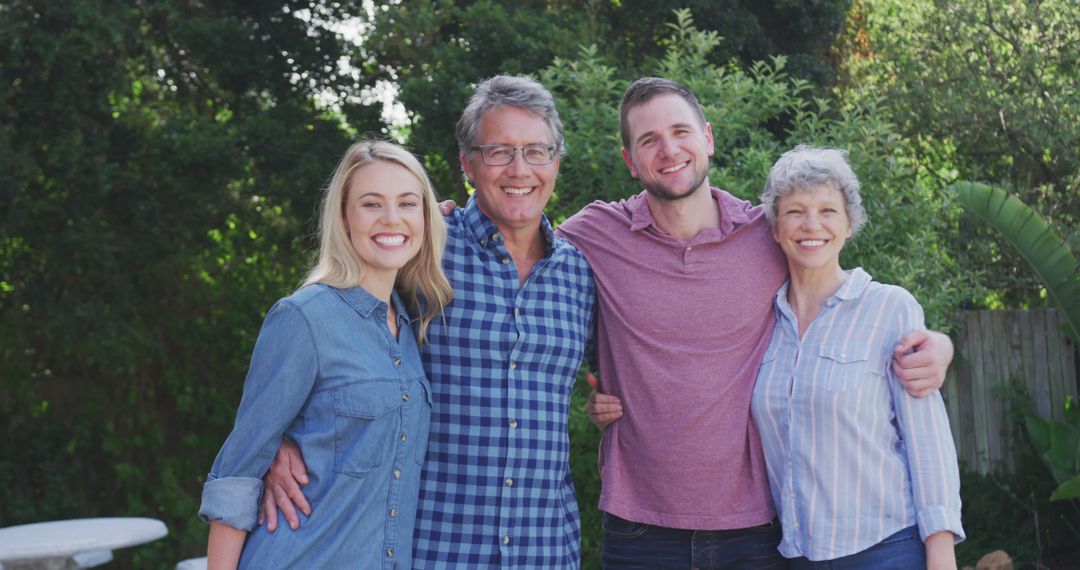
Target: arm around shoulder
921,357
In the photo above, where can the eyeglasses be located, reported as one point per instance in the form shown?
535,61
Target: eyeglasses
503,154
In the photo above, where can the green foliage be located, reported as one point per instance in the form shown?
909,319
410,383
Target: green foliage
587,94
1046,253
988,89
153,205
1013,512
584,447
1058,444
756,114
435,52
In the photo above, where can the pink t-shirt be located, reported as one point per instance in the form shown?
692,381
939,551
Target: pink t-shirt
681,331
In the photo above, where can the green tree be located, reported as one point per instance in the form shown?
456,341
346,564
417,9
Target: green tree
159,162
987,89
435,52
756,114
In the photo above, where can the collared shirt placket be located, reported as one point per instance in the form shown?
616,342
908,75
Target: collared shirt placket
486,365
400,464
511,488
790,501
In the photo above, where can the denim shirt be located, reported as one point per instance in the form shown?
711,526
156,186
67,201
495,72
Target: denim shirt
327,374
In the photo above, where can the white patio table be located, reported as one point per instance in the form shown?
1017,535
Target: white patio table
54,545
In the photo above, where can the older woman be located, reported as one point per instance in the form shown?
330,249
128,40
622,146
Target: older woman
863,474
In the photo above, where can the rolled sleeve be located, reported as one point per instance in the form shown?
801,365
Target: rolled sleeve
934,519
931,453
231,500
282,373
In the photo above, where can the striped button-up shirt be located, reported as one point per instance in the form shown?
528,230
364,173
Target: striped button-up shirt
496,490
852,457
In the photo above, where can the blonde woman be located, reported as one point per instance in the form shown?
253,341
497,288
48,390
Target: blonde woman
336,370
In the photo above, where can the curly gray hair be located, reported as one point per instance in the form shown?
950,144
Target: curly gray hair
809,167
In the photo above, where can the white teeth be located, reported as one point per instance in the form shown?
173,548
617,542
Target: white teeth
517,191
812,242
675,168
391,241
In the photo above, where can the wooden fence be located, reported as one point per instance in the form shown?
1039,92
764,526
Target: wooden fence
993,348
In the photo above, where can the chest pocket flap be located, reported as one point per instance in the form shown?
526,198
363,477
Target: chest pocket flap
367,400
364,427
853,364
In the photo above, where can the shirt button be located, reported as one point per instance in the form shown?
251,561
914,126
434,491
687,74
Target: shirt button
505,260
403,438
496,237
517,312
397,474
390,552
509,482
405,396
393,512
513,423
513,365
689,248
506,540
397,362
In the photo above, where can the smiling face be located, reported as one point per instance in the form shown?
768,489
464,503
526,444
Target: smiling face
670,147
384,217
812,227
512,196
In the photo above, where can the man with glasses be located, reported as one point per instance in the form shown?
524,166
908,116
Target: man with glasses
496,489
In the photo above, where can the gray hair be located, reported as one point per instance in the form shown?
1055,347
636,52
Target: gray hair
509,90
808,167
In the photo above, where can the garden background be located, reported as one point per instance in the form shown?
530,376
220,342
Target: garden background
160,163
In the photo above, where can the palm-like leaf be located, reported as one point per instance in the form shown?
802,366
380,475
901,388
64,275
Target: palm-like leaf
1040,246
1068,490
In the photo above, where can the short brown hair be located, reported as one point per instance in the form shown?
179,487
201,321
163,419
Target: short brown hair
643,90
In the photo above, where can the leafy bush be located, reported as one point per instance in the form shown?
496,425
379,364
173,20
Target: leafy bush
1013,512
154,203
756,114
987,90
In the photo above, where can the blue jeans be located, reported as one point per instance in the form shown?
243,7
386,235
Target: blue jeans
900,551
629,545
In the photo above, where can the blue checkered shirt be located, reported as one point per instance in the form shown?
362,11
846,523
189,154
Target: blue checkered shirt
496,490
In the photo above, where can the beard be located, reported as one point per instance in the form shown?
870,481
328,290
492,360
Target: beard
662,192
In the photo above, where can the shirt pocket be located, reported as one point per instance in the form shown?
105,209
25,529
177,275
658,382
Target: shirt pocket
423,408
366,421
851,365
